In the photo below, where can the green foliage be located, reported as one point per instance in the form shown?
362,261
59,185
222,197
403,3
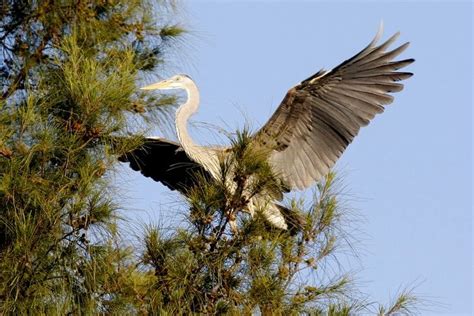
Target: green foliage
213,268
68,84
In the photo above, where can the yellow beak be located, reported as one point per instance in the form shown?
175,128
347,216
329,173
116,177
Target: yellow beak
159,85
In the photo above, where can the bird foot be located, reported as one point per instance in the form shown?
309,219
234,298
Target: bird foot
232,222
233,226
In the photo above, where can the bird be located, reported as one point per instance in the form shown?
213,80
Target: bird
313,125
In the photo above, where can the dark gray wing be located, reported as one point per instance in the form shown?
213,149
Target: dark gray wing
165,161
319,117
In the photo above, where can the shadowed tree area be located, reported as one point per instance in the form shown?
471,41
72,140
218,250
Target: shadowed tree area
68,82
68,78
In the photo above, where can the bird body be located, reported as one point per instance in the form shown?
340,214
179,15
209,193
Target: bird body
317,119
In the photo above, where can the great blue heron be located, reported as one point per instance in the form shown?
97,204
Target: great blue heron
308,132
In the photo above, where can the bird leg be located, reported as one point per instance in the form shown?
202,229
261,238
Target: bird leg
233,227
232,222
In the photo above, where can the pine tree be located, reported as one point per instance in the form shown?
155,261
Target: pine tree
68,76
209,268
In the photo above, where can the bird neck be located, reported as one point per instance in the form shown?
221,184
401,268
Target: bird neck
184,112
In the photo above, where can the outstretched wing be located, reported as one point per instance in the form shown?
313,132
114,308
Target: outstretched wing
165,161
319,117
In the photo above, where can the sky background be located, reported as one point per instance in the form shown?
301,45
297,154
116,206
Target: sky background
408,174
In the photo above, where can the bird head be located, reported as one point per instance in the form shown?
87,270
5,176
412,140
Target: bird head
175,82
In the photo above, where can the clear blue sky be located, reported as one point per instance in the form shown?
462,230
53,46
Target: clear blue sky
409,171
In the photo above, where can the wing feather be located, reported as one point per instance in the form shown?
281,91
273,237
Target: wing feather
166,162
319,118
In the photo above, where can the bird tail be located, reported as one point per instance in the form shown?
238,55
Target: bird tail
284,218
293,218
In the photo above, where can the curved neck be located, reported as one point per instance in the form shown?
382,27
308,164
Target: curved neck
183,113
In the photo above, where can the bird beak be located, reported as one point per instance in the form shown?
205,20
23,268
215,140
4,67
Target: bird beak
165,84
